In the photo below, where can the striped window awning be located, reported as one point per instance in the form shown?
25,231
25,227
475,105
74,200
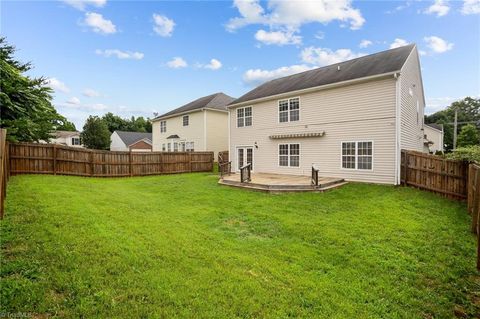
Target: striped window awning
297,135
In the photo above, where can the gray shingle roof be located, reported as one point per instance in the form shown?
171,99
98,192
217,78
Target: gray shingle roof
131,137
217,101
436,126
373,64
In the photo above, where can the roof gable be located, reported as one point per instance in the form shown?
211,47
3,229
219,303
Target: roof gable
217,101
369,65
131,137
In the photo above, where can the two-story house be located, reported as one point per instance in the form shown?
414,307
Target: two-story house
201,125
350,120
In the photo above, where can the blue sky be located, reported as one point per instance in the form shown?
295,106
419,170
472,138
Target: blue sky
136,58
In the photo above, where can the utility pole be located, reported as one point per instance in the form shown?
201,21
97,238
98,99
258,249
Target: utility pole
455,123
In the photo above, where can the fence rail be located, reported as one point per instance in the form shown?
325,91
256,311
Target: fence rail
27,158
435,174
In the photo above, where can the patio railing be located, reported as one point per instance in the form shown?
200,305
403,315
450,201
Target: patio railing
225,168
246,173
314,176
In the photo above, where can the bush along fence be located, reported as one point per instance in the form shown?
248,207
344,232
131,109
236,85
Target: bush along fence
55,159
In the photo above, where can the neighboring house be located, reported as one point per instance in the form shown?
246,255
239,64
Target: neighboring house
350,120
433,138
201,125
68,138
131,141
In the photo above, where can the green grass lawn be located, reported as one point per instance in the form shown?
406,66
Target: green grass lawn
183,246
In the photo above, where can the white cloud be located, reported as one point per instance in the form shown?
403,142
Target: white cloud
291,15
84,107
257,76
439,7
163,26
73,100
277,37
82,4
324,56
91,93
99,24
213,65
320,35
398,43
176,63
438,45
57,85
365,43
120,54
434,104
422,52
471,7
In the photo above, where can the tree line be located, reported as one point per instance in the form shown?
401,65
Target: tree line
468,117
28,114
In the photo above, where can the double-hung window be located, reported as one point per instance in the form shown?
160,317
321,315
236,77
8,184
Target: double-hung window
289,110
357,155
244,116
175,147
163,126
189,146
169,145
289,155
185,120
75,141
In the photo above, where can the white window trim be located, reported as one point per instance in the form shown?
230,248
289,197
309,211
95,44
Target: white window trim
356,156
299,109
299,155
236,116
164,121
236,155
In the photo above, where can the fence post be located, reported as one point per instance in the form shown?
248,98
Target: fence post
190,161
54,159
130,162
3,180
405,182
91,163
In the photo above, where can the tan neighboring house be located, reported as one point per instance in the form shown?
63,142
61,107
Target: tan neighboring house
131,141
68,138
201,125
433,138
350,120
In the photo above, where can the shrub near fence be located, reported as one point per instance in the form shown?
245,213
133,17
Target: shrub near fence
54,159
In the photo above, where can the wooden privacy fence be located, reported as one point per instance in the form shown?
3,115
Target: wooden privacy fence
435,174
473,201
4,172
26,158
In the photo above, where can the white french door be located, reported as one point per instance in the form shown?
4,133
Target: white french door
244,156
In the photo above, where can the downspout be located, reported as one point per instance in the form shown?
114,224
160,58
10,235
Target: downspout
398,124
205,130
230,153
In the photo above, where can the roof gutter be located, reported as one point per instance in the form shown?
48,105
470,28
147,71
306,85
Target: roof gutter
315,88
186,112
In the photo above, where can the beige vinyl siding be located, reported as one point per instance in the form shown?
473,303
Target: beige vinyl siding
358,112
411,134
194,132
217,131
436,136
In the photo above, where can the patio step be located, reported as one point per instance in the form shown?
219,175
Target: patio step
286,188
